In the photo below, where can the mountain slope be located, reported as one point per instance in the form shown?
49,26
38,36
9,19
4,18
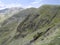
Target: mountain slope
8,12
32,27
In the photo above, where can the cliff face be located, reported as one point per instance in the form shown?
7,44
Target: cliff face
35,27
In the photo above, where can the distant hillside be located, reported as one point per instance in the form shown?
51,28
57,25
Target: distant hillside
32,26
8,12
10,9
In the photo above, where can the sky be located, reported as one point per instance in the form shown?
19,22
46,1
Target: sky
26,3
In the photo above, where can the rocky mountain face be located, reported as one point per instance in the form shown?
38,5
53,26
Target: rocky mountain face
32,26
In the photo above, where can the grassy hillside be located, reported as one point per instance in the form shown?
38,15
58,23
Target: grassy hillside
32,26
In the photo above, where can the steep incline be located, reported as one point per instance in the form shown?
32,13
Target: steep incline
32,27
